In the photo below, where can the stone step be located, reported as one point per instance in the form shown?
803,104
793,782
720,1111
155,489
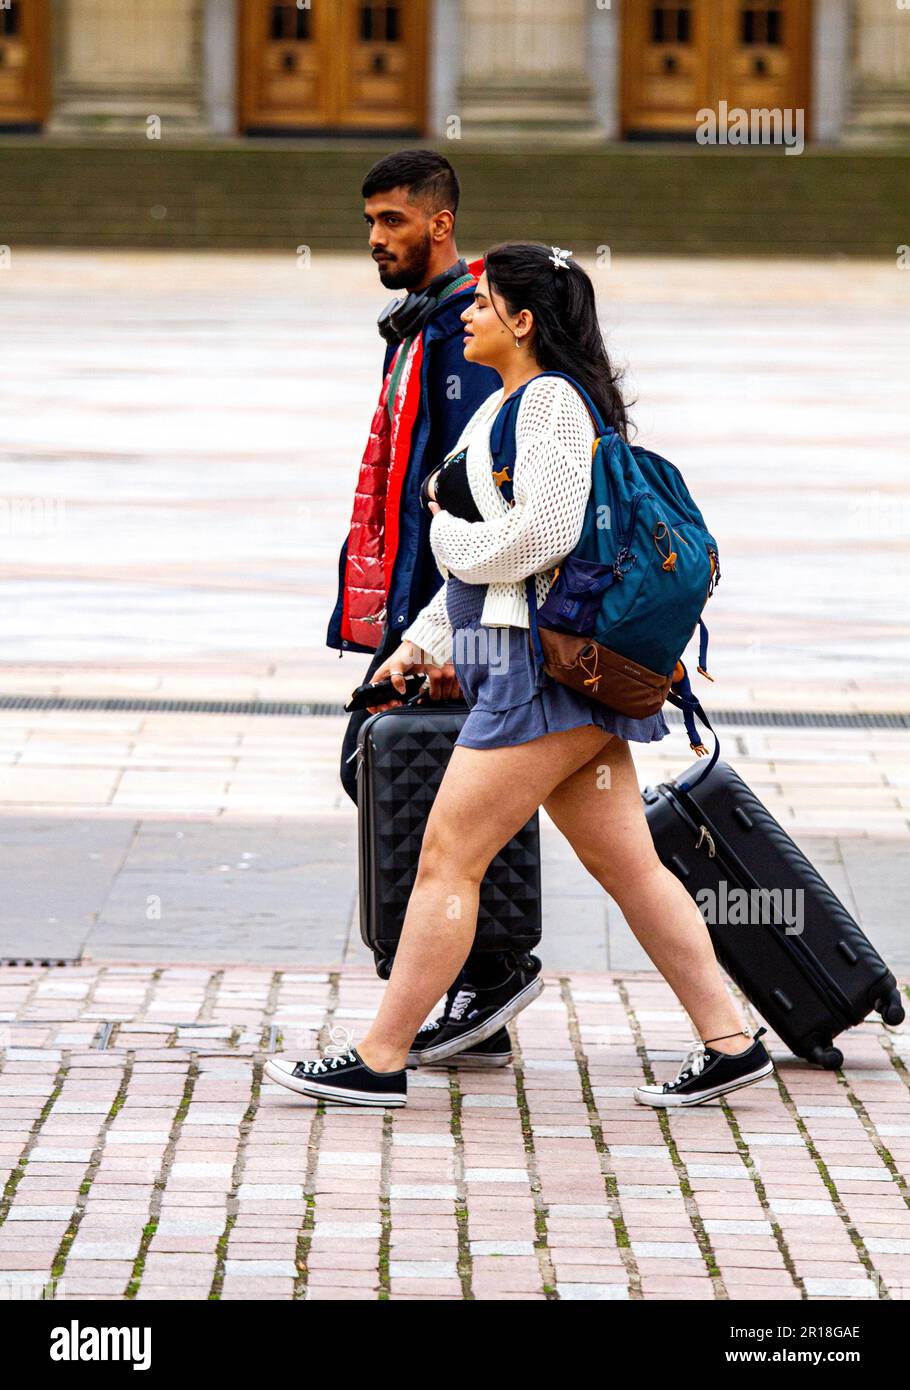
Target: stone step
663,200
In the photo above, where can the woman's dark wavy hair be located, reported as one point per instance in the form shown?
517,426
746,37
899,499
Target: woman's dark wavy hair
567,333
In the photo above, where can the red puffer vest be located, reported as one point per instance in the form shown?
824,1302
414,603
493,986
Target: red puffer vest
373,537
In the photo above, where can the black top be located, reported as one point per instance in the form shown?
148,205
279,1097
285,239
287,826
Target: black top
453,491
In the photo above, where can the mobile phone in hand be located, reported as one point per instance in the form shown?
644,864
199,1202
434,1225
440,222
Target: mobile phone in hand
383,693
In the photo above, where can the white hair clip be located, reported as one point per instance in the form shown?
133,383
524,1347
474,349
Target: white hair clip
559,258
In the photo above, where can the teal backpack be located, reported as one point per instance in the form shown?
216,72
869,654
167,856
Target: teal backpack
627,600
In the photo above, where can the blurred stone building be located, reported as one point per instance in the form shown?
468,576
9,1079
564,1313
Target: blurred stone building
582,70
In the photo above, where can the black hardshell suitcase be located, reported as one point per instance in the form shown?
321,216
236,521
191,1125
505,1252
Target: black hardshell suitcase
401,757
808,984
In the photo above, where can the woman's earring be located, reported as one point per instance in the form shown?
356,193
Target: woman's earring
517,342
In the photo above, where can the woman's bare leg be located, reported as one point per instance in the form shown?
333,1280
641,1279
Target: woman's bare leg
485,797
599,810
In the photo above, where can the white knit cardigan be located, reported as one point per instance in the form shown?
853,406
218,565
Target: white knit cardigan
552,479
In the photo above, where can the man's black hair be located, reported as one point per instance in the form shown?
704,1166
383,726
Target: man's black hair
428,177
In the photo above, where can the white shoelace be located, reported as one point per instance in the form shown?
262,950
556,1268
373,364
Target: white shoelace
339,1050
693,1065
460,1003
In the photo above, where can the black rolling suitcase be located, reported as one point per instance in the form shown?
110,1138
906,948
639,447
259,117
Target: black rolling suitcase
401,757
797,954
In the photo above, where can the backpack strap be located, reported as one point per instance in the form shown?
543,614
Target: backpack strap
681,695
503,449
502,435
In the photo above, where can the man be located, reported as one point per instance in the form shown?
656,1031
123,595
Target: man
386,570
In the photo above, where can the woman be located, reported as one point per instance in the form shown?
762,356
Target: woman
527,742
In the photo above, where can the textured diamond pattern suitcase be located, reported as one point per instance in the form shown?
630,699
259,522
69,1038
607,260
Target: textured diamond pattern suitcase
402,755
811,973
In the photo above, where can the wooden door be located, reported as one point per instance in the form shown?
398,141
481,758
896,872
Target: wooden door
333,65
665,74
680,58
764,53
23,63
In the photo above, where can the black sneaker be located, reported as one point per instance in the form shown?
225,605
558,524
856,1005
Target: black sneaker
477,1014
495,1052
706,1074
343,1078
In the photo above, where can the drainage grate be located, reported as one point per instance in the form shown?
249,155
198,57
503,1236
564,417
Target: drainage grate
751,718
146,705
38,960
805,719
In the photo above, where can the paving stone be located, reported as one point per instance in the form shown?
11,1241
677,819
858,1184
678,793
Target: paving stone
774,1141
32,1213
841,1288
580,1213
884,1245
740,1228
496,1175
347,1230
565,1132
601,1293
103,1250
502,1247
666,1250
260,1269
731,1171
629,1191
422,1141
848,1174
270,1192
423,1269
482,1102
415,1191
177,1226
43,1153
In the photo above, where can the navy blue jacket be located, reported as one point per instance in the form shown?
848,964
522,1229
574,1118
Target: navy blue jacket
440,420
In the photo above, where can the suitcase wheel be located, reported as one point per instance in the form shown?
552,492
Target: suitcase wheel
891,1008
384,966
826,1055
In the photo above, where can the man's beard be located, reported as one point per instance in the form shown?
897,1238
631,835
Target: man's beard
405,275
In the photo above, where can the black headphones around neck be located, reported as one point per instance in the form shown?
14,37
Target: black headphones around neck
403,318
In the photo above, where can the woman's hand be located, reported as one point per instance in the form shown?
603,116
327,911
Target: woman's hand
432,505
443,681
404,659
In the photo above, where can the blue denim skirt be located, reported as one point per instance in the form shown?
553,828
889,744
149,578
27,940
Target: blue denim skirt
509,701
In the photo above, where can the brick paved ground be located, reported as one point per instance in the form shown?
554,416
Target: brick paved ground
159,1166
